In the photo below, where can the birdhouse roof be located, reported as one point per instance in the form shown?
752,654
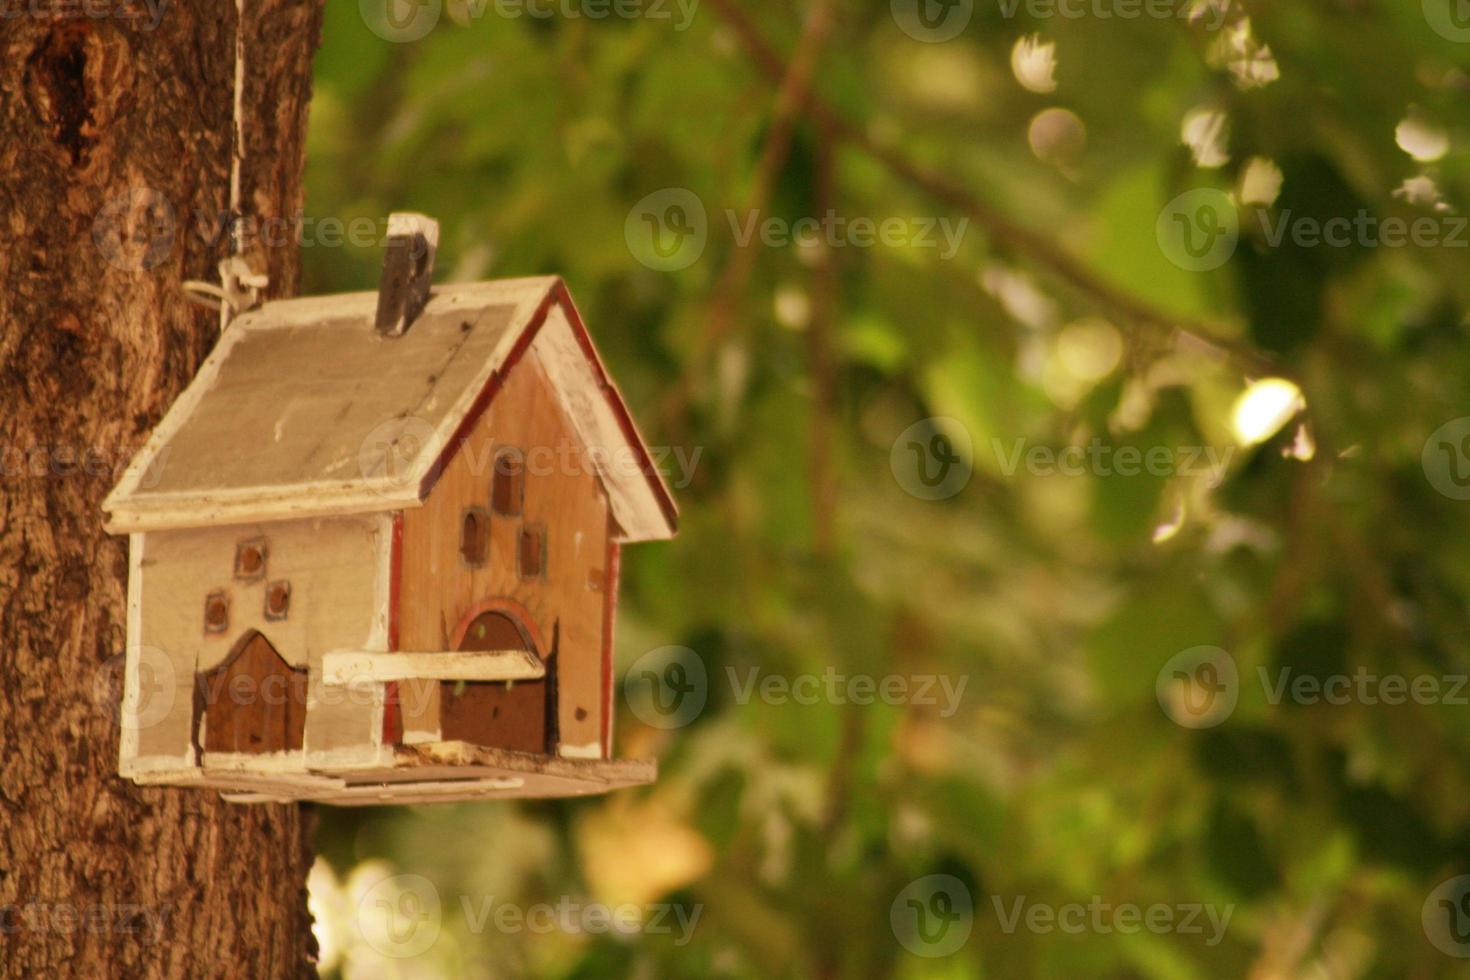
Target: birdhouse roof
304,410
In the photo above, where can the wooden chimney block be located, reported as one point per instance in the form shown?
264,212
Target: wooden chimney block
408,271
370,550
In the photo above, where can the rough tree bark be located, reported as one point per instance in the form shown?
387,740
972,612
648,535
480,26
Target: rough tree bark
116,124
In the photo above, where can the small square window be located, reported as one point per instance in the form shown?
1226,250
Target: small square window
508,487
250,559
277,600
216,612
474,537
531,555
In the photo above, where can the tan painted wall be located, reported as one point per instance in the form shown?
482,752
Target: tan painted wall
561,492
338,574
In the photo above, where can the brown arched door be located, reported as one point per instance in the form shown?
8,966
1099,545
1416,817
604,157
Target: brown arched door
253,702
502,715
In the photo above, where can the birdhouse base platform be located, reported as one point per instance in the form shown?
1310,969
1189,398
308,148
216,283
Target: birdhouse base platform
430,772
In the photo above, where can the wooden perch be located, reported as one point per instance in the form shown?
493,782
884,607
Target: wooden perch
344,667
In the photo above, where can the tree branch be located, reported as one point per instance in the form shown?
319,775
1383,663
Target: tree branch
1001,229
794,91
824,306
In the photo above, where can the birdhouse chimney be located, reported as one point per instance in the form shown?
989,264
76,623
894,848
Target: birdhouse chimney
408,268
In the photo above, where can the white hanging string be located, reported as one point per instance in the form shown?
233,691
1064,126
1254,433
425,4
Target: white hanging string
237,142
239,287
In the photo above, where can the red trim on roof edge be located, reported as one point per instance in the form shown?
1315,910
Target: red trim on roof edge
392,720
613,571
557,294
620,408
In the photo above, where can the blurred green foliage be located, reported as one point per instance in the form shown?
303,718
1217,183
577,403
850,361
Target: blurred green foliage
1058,598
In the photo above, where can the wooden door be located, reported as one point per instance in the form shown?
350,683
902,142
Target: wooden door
253,702
496,714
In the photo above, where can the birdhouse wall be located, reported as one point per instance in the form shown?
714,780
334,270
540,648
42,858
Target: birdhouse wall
565,599
329,582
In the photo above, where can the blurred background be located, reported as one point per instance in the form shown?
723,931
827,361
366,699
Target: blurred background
1066,404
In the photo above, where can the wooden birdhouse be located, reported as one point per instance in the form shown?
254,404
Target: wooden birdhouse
374,550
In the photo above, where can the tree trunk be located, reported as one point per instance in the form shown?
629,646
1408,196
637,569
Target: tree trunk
115,151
